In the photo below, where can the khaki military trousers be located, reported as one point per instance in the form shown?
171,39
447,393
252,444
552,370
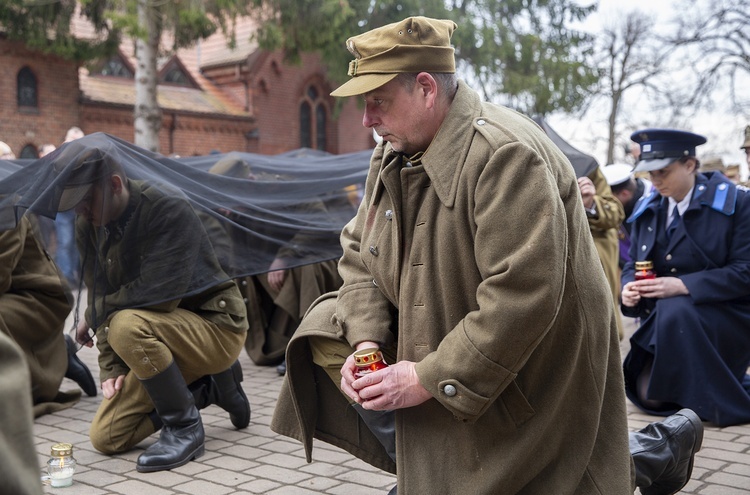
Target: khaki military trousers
148,341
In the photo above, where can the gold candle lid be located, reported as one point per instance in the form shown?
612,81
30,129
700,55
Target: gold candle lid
62,449
365,357
644,265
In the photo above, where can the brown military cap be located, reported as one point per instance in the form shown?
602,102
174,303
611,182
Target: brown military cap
746,144
416,44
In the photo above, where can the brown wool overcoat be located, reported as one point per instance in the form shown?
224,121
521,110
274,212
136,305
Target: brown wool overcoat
610,214
481,259
34,304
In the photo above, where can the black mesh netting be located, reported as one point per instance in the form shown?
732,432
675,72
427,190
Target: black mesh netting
253,209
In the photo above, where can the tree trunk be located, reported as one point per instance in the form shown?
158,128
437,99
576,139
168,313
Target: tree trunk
614,110
147,112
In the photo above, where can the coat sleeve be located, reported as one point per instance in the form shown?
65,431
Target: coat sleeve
523,268
363,313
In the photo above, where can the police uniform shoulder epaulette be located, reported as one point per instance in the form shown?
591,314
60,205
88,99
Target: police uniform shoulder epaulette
719,195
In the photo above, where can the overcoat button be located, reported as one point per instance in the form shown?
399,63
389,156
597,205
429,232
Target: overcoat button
481,122
673,270
374,282
222,304
244,283
106,329
650,228
644,247
722,187
389,214
449,390
373,250
244,299
668,257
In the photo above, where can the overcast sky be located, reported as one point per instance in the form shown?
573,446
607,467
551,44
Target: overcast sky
723,130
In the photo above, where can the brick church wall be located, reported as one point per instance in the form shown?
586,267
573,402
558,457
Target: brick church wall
57,98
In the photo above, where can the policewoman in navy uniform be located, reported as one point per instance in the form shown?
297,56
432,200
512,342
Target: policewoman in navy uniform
693,346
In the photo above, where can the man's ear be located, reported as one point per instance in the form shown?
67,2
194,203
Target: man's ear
428,86
116,184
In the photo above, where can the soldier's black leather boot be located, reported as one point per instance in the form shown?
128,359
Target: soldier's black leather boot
225,390
182,438
663,453
77,370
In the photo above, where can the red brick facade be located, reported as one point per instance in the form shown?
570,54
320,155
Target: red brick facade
57,97
258,110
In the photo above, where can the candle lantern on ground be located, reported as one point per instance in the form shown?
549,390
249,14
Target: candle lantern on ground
61,465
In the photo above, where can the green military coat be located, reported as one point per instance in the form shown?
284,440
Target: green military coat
479,261
33,307
19,462
609,215
139,261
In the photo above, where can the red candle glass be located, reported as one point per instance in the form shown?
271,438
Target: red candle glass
368,360
644,270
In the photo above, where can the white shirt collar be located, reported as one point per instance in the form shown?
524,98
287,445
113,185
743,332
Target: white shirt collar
681,206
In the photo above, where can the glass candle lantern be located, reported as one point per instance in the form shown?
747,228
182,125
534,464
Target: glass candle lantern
644,270
368,360
61,465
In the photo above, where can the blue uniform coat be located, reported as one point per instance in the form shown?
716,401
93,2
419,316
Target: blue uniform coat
699,343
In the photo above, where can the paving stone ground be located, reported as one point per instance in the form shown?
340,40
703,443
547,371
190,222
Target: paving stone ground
258,461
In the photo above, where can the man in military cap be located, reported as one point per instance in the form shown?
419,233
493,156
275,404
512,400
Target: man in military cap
499,331
694,226
164,312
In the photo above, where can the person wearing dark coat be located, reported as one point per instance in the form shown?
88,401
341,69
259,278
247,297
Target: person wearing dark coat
693,346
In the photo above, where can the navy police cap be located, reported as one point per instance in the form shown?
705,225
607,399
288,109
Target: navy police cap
660,147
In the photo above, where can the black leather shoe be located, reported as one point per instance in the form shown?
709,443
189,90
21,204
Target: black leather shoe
281,369
225,390
77,371
231,397
664,452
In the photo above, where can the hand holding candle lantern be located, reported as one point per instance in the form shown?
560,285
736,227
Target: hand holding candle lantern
61,465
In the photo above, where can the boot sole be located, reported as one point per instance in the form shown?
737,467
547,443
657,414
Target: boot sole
152,469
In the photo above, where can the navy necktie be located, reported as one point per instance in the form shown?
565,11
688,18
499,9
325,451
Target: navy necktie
673,224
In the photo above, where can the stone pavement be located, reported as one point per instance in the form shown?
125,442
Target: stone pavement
257,461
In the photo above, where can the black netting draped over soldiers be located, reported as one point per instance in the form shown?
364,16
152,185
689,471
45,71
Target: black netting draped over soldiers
161,243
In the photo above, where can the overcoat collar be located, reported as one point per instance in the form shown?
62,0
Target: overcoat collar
711,189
